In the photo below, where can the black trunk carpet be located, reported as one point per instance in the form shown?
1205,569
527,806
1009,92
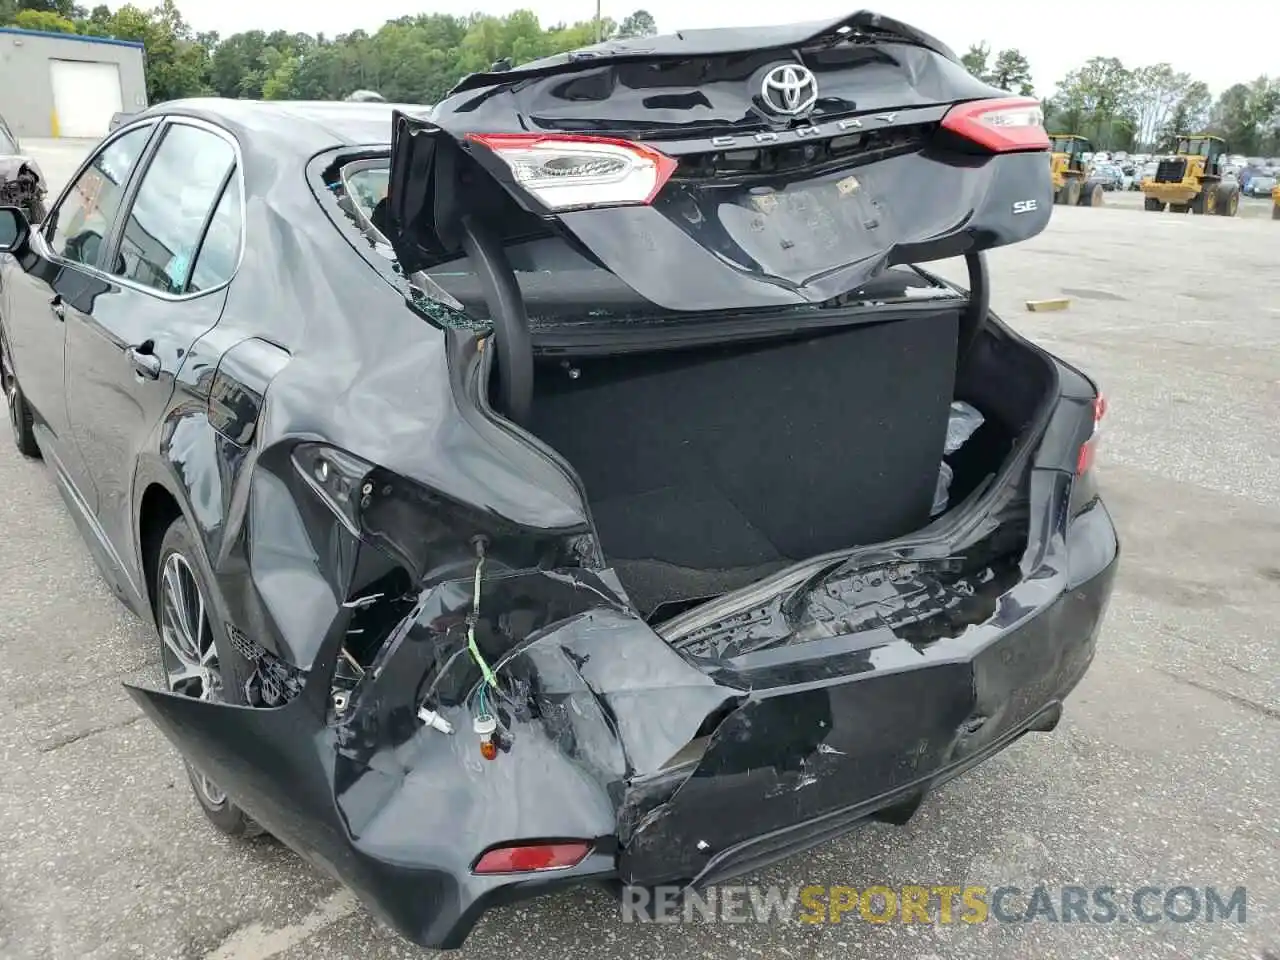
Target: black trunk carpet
707,469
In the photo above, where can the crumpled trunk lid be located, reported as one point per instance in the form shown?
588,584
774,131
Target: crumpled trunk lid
762,207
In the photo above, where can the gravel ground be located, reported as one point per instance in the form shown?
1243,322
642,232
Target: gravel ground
1164,771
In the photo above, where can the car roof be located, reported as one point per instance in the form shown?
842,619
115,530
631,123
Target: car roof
308,127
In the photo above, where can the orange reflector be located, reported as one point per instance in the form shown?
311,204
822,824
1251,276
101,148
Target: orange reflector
488,749
532,857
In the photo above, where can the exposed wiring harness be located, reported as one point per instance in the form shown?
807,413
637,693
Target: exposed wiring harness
485,722
486,672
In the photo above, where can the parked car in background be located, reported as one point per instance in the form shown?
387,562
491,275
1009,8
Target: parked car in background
22,184
1109,175
505,525
1260,185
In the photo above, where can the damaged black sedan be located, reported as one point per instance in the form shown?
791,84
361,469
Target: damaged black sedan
578,480
22,184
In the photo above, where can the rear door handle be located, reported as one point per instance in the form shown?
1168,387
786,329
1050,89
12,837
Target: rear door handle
144,360
57,307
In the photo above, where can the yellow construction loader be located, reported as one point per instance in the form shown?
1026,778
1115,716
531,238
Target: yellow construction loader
1275,202
1072,175
1192,180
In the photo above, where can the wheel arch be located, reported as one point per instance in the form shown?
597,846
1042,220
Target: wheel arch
157,509
162,493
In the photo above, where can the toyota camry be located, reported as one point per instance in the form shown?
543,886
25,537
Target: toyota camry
580,479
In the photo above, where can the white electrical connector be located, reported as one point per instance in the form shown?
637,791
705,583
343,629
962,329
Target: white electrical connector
434,720
484,725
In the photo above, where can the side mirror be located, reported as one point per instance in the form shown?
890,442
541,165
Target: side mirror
15,229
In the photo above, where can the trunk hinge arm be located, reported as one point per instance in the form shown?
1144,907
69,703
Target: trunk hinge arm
507,313
974,317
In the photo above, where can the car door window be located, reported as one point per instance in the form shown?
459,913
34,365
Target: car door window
220,250
166,221
81,221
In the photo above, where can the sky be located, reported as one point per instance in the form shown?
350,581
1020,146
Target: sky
1054,38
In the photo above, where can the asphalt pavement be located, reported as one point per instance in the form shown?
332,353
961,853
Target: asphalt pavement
1165,770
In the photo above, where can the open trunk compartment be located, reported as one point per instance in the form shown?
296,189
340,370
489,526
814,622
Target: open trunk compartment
708,468
633,187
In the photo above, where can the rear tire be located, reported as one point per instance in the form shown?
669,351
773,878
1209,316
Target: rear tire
1228,202
21,419
1151,203
1092,196
1204,201
1072,188
197,658
1275,211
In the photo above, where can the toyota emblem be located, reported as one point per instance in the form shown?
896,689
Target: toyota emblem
789,89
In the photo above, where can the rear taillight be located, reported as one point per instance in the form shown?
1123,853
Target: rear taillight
533,857
1089,449
1002,126
566,171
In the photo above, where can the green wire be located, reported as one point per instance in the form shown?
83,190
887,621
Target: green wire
485,670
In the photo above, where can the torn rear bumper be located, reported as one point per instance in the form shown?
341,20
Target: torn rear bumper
815,738
800,764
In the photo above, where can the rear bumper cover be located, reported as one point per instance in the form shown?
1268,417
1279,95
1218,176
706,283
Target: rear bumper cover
881,742
878,739
849,727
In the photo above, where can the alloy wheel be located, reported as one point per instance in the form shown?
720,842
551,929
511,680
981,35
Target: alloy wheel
188,654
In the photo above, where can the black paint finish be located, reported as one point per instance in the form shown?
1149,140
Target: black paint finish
689,750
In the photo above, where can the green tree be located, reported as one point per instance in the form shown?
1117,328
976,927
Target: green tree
1092,100
96,23
638,24
46,20
234,67
1189,115
413,59
1246,115
1153,95
63,8
1012,72
279,85
177,66
975,60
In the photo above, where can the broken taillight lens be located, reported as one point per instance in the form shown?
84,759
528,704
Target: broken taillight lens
533,857
1002,126
566,171
1089,449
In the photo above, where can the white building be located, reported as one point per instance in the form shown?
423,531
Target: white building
66,85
